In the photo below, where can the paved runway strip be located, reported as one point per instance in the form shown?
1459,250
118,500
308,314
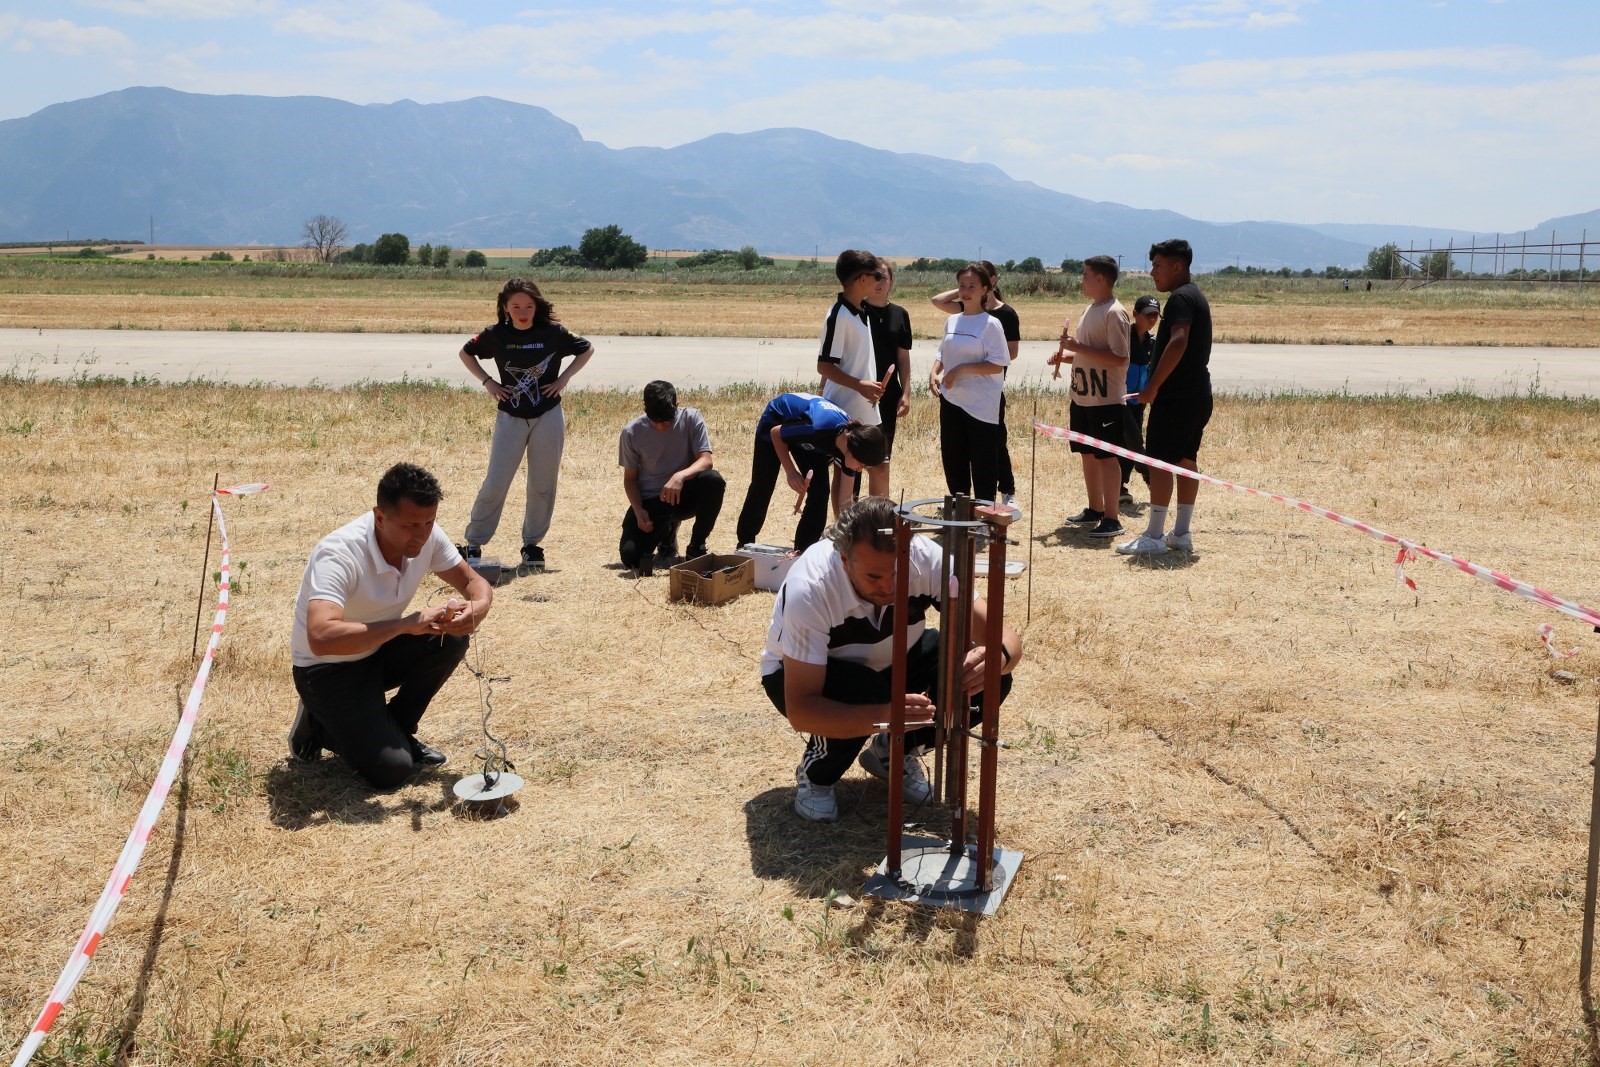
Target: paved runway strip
339,359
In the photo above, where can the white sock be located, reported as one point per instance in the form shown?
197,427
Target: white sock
1158,522
1180,525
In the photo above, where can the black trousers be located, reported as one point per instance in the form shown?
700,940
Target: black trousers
701,498
764,471
827,758
969,450
1005,477
347,702
1133,440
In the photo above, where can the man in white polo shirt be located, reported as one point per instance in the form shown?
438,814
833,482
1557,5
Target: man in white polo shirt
826,665
353,641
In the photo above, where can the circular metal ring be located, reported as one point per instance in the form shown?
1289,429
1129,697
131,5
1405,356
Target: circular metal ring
907,511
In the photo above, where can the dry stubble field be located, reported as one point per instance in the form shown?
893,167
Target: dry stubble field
785,304
1275,807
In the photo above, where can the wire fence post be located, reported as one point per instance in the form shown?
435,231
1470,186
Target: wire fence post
205,565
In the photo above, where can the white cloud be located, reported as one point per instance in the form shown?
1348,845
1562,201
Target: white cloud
69,39
184,9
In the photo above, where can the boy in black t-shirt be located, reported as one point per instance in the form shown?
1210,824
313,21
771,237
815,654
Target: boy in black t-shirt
1179,395
891,347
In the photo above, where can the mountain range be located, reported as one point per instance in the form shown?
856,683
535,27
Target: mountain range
232,170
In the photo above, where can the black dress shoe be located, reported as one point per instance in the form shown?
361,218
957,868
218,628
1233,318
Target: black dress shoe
305,736
426,755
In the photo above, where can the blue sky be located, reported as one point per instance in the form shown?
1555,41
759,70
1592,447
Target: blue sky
1472,114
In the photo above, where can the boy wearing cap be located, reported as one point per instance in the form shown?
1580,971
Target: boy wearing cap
1179,395
1098,352
1141,348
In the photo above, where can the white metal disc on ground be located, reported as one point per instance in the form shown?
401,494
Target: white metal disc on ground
931,872
474,789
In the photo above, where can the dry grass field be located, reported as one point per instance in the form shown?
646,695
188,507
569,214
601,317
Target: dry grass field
787,304
1275,807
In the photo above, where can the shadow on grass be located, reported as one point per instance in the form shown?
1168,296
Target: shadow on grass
299,797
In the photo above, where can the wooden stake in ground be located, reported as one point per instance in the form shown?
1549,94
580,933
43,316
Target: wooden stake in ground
205,565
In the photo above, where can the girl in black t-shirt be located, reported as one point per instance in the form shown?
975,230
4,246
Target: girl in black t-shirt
527,346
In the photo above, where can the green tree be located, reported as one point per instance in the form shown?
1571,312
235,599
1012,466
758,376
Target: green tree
221,256
1384,261
391,249
749,258
1438,265
474,258
1071,266
559,256
1031,265
441,255
608,248
424,255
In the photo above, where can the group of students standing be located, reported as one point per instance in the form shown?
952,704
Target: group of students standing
849,425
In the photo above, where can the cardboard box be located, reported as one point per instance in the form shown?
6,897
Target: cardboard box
772,563
712,579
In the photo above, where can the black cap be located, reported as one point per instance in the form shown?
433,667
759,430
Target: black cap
1147,305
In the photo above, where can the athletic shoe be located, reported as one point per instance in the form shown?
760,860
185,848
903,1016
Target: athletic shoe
1181,542
1086,517
1143,545
305,736
426,755
667,547
874,759
470,551
1008,500
645,567
696,551
1126,497
813,802
1108,528
532,560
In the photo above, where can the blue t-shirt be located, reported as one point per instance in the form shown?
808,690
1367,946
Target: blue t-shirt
810,423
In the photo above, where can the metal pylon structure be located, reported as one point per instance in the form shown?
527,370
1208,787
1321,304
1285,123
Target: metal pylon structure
969,875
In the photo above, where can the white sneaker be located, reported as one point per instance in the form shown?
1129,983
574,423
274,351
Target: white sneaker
813,802
1181,542
914,785
1143,545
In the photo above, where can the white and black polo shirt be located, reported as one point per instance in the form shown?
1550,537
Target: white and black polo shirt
847,343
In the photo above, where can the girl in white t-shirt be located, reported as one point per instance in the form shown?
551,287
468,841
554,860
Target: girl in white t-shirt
967,380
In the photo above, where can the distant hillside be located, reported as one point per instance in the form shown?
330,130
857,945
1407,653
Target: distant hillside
246,170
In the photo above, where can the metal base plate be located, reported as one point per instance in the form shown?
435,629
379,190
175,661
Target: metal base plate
929,874
475,790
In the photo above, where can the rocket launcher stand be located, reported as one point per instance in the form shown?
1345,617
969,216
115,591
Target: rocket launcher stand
958,873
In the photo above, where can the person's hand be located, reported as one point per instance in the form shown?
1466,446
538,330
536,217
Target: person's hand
642,518
871,390
1146,395
934,378
973,667
457,617
555,387
672,492
903,408
798,482
500,393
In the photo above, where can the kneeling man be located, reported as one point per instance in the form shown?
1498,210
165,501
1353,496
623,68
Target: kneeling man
826,665
353,641
665,455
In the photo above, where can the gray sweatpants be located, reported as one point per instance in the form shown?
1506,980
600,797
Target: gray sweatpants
541,440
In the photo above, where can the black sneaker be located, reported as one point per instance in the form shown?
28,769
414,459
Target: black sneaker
645,567
696,551
305,736
426,756
1107,528
532,560
1086,517
470,551
667,547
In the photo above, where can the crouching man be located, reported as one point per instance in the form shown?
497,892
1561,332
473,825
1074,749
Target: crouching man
827,663
665,455
353,640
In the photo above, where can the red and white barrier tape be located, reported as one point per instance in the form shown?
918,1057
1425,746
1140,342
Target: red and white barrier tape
1408,549
128,861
